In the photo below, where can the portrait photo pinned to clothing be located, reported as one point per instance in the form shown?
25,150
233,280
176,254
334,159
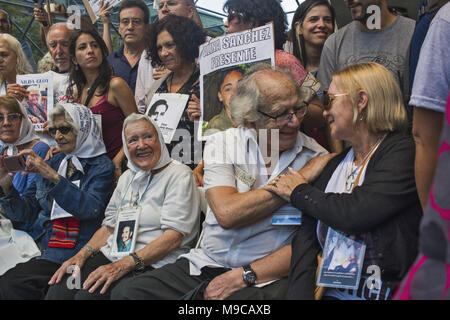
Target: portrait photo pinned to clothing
342,260
39,101
223,62
125,232
166,110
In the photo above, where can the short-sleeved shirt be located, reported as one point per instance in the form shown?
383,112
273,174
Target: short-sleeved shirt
122,68
432,80
229,162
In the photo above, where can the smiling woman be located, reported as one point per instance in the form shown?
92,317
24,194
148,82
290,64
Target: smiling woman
161,193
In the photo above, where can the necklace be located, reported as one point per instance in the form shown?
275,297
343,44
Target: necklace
354,174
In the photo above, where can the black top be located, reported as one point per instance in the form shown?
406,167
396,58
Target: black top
385,207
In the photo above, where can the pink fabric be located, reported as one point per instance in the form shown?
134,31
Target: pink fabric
289,62
447,283
405,293
444,213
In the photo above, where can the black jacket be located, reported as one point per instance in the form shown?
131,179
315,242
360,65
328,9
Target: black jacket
386,206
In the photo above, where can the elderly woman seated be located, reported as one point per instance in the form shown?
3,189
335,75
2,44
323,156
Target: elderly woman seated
66,202
365,196
16,134
152,218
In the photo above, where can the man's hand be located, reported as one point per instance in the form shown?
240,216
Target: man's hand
221,287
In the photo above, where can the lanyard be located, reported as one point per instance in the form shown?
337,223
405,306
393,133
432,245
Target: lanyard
140,198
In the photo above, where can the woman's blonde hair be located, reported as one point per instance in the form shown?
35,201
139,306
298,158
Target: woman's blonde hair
385,110
22,64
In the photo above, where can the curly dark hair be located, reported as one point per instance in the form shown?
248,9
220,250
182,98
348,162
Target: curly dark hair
260,12
77,77
300,15
186,34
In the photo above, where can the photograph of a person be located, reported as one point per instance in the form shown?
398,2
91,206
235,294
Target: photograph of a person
125,236
219,88
158,109
35,105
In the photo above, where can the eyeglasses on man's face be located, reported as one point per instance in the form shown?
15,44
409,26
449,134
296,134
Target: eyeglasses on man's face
299,111
234,14
135,22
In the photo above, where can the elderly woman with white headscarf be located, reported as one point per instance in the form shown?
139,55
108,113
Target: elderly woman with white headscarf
152,218
16,134
66,202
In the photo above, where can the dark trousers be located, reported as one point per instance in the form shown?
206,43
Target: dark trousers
173,281
61,290
28,280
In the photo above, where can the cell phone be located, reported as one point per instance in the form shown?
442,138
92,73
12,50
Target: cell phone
14,163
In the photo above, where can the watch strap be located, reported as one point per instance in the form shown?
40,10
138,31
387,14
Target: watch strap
139,264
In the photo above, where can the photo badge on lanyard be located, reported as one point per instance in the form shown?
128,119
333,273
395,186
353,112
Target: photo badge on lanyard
126,229
287,215
342,261
58,212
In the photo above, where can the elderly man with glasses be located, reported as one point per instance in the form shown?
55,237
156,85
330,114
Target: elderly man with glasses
247,230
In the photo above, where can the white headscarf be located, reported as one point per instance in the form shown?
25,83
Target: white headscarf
141,177
89,141
26,134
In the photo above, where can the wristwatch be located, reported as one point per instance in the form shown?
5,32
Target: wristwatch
139,265
249,276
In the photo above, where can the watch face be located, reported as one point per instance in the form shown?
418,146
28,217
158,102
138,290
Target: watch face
249,278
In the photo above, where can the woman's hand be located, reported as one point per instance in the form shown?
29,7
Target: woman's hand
36,164
160,72
194,111
222,286
77,260
314,167
107,274
104,13
284,184
51,152
17,91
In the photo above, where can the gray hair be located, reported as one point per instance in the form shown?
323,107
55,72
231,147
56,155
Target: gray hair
136,117
56,25
248,99
59,110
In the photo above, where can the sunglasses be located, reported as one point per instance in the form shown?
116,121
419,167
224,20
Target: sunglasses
62,130
329,98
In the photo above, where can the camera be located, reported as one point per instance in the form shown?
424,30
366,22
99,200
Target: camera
14,163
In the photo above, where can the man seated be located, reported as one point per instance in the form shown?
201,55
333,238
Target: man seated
242,244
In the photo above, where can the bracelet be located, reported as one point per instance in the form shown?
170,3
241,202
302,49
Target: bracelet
89,249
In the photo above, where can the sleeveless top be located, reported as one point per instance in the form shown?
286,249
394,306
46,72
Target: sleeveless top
112,122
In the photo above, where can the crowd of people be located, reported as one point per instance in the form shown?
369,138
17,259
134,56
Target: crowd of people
323,177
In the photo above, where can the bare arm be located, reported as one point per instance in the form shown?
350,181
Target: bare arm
233,209
427,128
104,15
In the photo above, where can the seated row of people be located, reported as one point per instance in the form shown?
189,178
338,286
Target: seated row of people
243,243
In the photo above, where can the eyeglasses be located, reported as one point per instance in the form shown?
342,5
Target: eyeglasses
12,117
328,99
135,22
284,118
234,14
62,130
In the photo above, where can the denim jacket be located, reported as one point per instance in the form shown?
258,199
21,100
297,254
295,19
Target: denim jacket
87,203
